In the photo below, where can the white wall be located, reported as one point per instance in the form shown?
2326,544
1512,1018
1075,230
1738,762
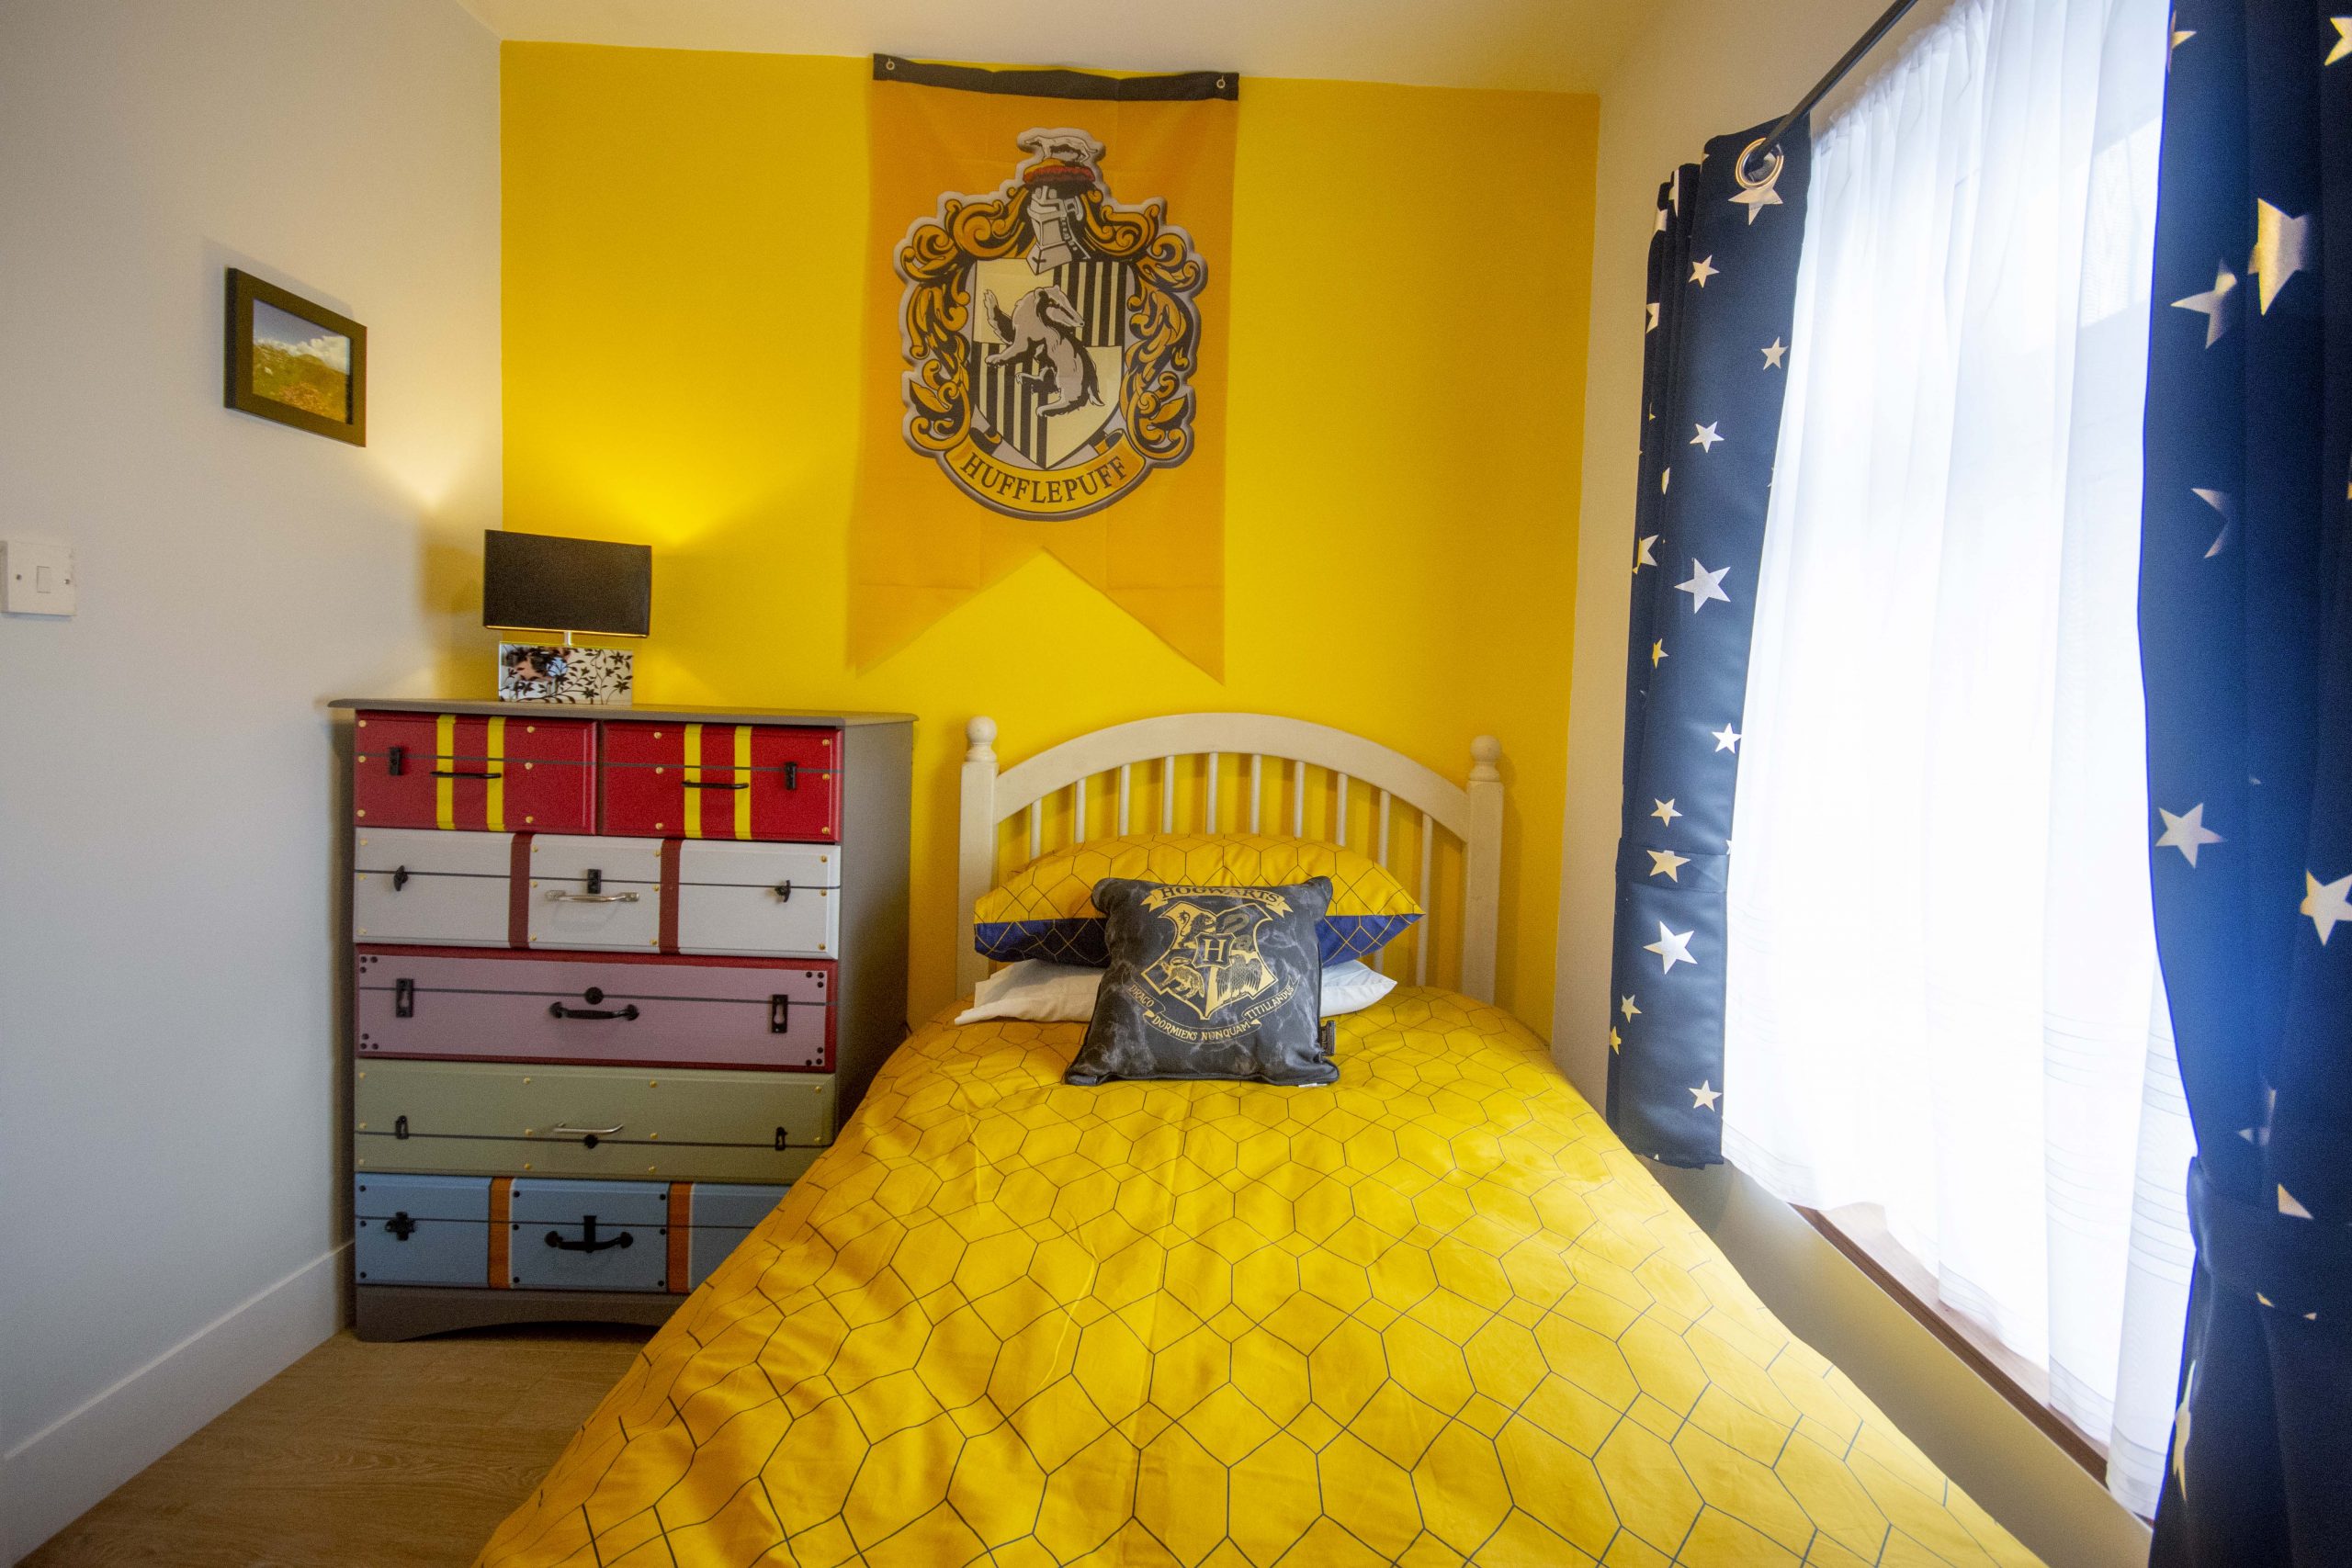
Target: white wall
170,1223
1704,68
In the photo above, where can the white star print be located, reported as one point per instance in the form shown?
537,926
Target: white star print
1759,195
2180,1432
1775,352
2291,1207
2220,502
1642,556
1653,326
2187,832
1703,585
2342,40
1703,1098
1667,864
1664,811
2180,35
2281,249
2325,903
1728,739
1661,219
1672,947
1703,269
1625,1005
1664,479
1707,437
2213,304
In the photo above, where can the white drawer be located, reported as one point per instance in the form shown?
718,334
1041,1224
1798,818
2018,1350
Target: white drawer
759,898
596,893
420,885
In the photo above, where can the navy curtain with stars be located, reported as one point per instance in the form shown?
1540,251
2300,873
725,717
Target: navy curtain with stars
1722,290
2245,617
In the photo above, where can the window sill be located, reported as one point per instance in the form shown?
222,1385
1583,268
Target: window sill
1859,1230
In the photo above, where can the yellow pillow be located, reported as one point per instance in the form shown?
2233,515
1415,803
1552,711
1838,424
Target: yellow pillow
1047,910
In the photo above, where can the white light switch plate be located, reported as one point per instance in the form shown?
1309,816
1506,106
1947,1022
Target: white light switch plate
36,578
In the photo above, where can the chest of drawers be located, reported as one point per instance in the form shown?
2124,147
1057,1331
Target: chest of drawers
604,960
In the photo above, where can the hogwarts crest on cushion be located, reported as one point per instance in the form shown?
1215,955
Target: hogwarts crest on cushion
1209,983
1051,334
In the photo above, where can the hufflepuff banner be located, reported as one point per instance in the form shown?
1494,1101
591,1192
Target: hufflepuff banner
1045,345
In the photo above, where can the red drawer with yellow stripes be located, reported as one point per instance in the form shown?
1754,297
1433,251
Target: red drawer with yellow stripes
722,780
498,775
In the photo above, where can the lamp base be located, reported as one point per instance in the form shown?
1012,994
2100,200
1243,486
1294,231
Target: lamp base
541,672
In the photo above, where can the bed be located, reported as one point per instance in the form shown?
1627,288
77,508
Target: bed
1436,1314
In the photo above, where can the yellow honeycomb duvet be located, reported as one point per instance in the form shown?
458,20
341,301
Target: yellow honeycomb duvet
1435,1315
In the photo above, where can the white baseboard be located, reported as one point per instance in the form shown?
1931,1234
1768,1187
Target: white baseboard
60,1471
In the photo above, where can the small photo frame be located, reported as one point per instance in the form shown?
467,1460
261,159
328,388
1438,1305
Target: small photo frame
295,361
545,672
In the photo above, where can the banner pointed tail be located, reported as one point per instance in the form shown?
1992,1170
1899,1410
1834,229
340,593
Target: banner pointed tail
1045,355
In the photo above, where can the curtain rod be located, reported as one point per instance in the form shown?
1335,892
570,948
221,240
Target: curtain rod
1853,56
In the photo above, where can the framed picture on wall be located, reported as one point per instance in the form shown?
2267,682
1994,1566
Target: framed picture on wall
296,362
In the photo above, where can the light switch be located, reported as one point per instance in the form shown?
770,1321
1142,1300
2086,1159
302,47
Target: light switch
36,578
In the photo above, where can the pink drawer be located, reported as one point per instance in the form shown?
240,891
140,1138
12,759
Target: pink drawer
605,1008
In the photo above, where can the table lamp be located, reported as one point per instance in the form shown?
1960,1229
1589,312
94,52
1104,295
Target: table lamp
540,583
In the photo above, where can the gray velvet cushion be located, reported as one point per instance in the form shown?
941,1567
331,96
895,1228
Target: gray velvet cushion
1208,983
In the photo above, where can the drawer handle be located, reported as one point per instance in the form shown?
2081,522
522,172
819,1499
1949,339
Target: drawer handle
783,891
627,1014
558,896
562,1128
697,784
588,1242
463,773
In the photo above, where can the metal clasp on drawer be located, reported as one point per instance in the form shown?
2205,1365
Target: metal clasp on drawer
404,997
595,894
779,1014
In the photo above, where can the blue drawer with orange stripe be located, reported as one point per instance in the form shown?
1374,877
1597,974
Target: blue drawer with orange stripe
523,1233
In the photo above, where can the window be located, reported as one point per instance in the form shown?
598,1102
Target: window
1944,999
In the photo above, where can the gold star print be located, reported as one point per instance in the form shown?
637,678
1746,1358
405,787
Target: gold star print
1642,556
2180,35
2342,48
2291,1206
1667,864
2325,903
1653,326
1625,1005
2281,249
1665,812
1616,1041
1658,651
1703,269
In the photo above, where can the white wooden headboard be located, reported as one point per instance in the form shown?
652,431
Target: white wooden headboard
1141,762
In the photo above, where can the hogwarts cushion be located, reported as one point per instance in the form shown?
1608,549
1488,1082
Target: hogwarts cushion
1208,983
1047,910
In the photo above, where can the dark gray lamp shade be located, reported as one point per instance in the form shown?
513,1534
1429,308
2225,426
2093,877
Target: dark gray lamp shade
544,584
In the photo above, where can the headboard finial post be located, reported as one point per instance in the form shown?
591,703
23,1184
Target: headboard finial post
1485,752
976,841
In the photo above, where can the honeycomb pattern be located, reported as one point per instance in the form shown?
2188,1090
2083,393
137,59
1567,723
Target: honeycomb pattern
1436,1315
1047,910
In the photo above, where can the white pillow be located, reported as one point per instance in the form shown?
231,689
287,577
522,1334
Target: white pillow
1064,992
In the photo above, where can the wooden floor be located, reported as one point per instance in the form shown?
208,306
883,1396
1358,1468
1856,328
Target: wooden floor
389,1456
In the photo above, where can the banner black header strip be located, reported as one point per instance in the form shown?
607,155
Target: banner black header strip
1191,86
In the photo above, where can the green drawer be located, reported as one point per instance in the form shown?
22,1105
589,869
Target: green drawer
497,1117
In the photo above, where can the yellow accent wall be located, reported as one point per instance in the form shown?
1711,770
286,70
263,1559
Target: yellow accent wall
1409,295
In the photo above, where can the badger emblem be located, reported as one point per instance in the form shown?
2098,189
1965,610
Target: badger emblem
1042,325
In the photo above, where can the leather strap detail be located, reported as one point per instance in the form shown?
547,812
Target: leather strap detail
502,1233
682,1219
518,891
669,854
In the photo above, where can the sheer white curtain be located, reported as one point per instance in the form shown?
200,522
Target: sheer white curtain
1942,968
